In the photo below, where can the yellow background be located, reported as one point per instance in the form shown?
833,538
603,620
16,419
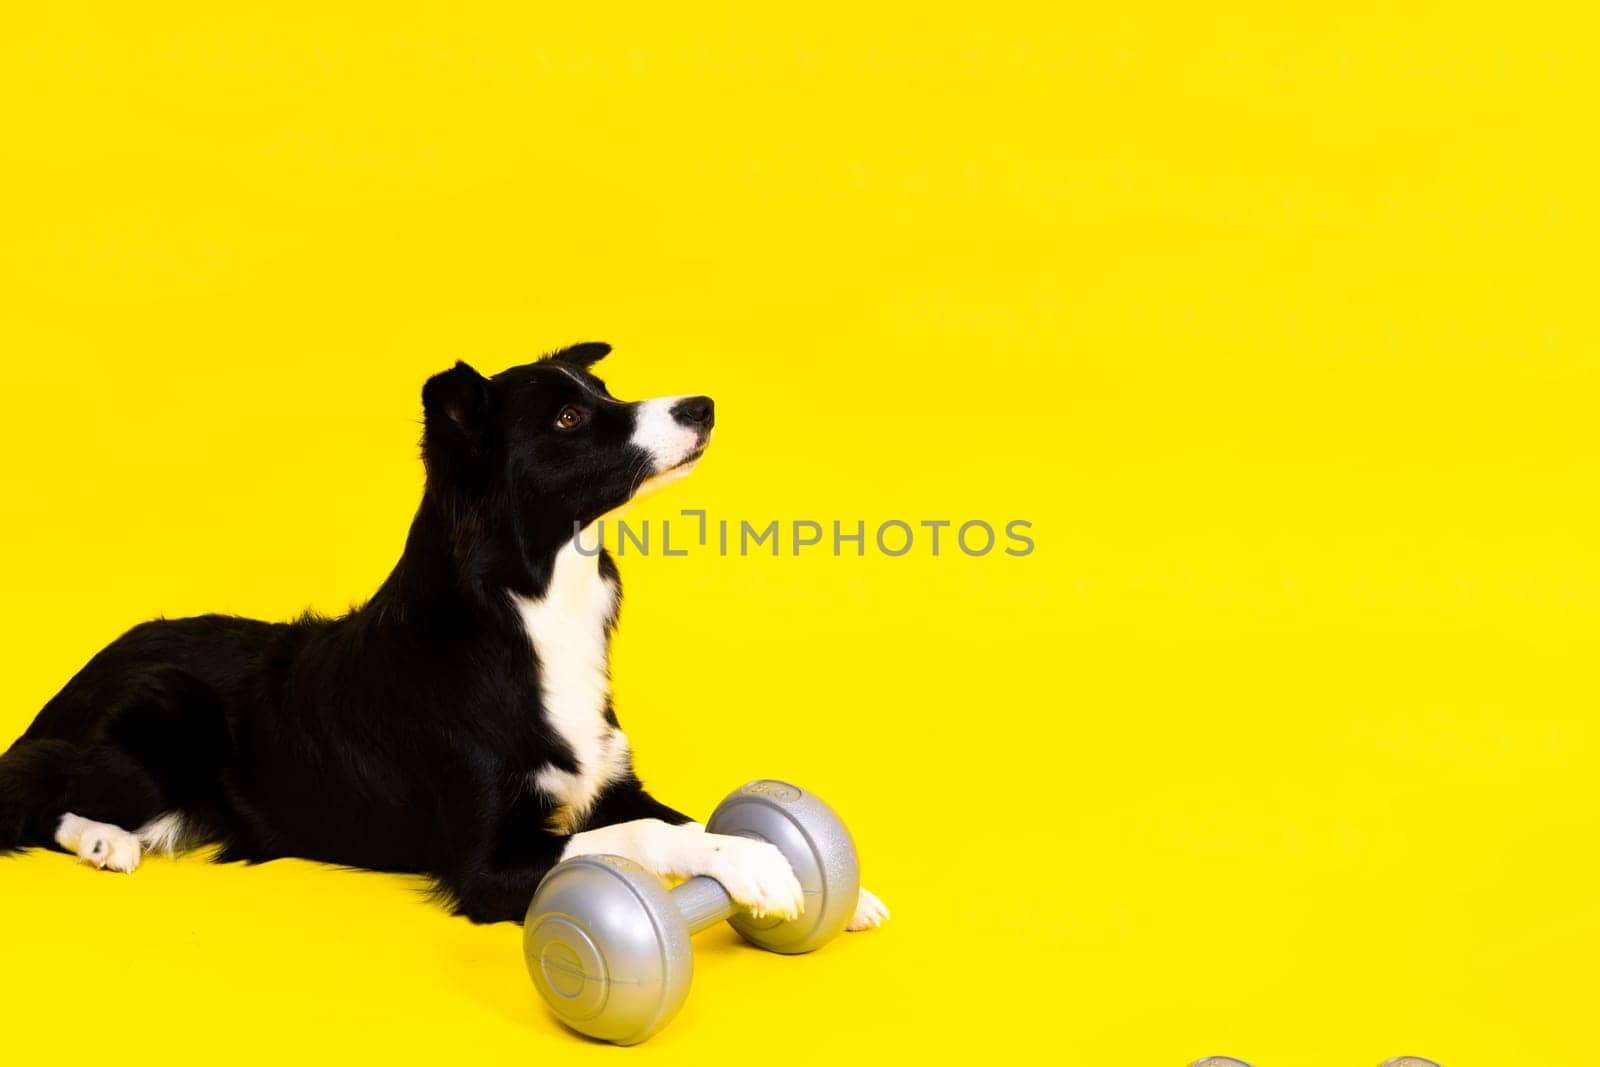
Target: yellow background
1280,328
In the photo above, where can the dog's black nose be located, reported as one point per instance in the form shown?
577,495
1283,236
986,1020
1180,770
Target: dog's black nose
695,411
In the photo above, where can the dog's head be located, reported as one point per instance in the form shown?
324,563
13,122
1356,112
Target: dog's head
546,448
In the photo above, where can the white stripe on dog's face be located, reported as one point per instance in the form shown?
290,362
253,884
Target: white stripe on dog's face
657,431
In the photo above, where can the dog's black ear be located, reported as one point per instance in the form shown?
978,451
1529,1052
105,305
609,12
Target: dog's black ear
455,407
586,354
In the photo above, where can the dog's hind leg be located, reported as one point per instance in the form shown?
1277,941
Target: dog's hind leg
42,780
101,845
109,796
125,779
33,784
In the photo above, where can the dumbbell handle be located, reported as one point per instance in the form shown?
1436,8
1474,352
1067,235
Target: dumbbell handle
704,903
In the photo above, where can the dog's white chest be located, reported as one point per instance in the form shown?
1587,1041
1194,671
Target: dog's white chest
567,627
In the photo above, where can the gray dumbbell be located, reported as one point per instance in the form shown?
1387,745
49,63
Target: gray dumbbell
608,945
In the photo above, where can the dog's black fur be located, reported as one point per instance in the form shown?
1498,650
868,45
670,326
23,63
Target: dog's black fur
402,736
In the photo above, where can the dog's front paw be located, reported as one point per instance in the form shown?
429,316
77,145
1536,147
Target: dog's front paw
870,912
756,876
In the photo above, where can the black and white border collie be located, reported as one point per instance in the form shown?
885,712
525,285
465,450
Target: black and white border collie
459,725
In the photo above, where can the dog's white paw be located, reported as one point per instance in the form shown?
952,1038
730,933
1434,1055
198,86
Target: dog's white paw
870,912
99,844
756,876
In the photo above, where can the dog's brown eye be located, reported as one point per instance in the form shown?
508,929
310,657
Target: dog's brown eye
569,419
